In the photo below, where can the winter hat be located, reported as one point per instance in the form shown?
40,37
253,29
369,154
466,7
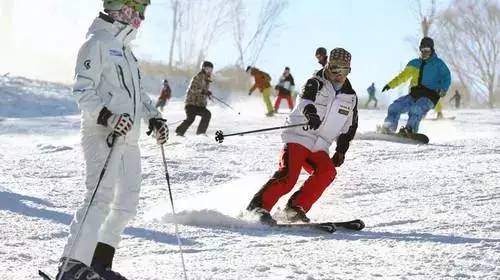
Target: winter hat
207,64
427,42
321,51
287,68
249,68
340,57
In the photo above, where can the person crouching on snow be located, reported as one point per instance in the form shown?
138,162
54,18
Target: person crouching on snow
430,80
328,105
108,92
196,101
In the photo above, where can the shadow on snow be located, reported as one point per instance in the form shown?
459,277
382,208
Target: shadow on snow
18,203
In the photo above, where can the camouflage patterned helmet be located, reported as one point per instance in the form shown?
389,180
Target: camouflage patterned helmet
116,5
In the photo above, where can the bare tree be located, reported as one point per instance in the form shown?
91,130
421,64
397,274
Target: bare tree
426,16
176,21
249,50
469,39
425,13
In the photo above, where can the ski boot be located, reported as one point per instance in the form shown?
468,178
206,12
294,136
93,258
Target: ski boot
76,270
296,214
264,216
103,261
106,272
405,132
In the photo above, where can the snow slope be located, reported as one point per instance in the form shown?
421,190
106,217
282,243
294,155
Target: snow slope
432,211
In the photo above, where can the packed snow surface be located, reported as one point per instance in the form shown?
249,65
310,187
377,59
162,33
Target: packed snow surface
431,211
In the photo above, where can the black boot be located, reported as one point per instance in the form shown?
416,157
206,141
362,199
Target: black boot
103,261
296,214
76,270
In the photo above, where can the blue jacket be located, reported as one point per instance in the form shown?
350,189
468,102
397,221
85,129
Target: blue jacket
436,75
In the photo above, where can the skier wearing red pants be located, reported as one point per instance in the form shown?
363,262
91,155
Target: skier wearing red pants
328,105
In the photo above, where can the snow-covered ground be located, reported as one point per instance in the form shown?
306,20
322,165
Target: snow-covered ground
431,211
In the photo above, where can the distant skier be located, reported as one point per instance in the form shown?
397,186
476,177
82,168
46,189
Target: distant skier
165,95
263,83
371,95
108,92
285,88
457,98
430,80
439,110
329,105
196,101
321,56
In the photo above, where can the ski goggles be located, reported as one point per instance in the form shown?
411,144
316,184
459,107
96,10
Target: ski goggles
336,69
137,5
425,50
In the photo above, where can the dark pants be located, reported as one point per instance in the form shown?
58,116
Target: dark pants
191,113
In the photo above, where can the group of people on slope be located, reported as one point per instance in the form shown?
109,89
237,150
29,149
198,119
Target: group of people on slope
109,93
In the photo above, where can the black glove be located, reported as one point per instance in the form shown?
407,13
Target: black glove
312,116
386,87
160,129
338,159
249,93
121,124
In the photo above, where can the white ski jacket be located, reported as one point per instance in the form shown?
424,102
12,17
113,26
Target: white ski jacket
336,109
107,75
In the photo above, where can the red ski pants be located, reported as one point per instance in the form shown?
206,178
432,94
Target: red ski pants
293,158
278,101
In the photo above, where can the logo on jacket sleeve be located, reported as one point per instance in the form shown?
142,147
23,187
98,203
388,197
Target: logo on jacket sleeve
86,64
113,52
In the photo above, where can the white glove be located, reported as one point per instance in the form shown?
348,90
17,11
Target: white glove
121,124
160,129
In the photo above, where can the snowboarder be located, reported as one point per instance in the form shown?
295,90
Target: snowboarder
263,83
457,97
196,101
430,80
321,56
371,95
108,92
285,88
165,95
328,104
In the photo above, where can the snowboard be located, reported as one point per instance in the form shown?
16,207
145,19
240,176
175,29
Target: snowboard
329,227
419,138
442,119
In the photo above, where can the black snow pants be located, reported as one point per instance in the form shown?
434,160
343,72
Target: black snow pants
191,113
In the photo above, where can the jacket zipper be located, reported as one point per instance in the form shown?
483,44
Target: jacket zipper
132,77
123,80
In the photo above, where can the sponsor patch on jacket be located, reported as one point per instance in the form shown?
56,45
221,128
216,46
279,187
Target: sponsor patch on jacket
113,52
343,111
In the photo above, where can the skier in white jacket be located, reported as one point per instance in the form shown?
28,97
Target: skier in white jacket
108,91
328,104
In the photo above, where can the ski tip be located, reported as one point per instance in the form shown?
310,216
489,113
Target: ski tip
43,275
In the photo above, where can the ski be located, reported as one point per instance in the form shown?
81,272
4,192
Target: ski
326,227
329,227
44,276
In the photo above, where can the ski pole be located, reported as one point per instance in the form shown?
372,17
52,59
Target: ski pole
222,101
110,140
167,176
219,135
